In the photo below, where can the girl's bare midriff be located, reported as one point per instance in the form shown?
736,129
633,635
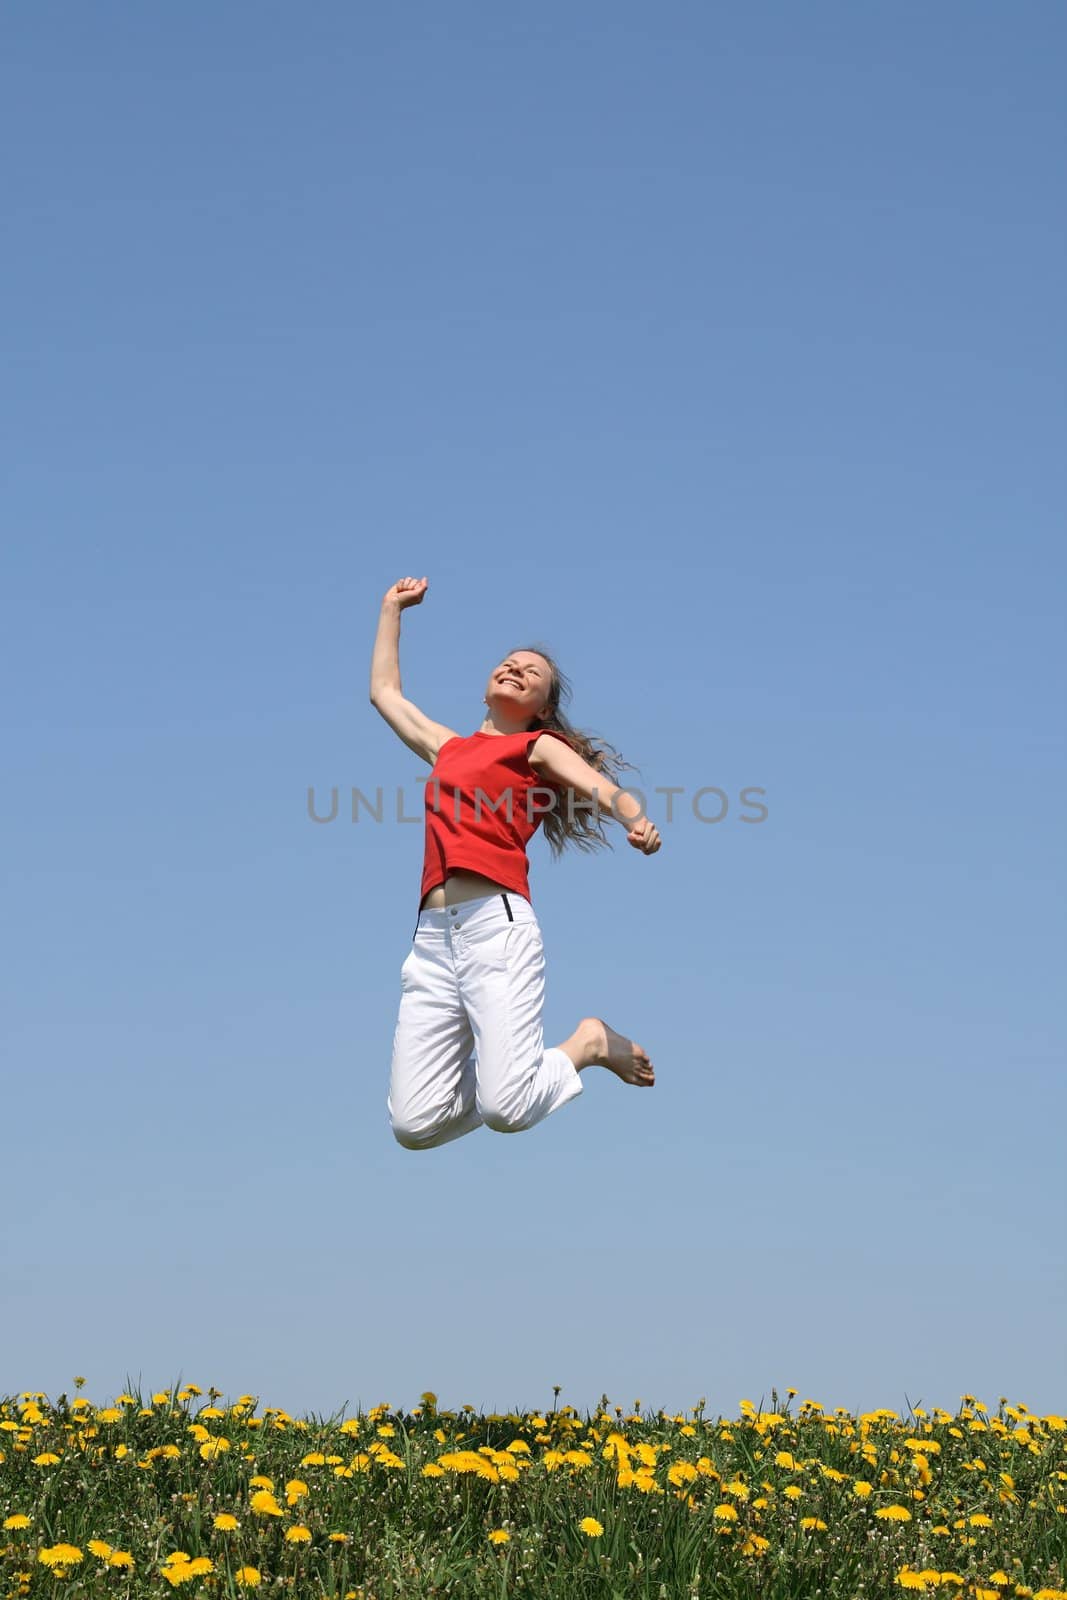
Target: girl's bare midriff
460,885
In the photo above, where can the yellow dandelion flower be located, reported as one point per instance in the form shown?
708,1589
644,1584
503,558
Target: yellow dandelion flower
120,1558
260,1482
178,1572
813,1522
297,1534
908,1578
47,1458
793,1491
97,1547
784,1459
725,1513
19,1520
214,1447
58,1556
893,1513
61,1556
755,1545
432,1470
987,1594
296,1489
681,1472
981,1520
591,1526
264,1504
499,1536
225,1521
109,1414
248,1577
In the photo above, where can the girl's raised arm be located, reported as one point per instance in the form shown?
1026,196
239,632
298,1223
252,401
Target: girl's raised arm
416,729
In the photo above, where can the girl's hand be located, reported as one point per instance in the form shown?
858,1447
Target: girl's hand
644,836
408,592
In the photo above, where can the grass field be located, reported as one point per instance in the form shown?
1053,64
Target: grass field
178,1491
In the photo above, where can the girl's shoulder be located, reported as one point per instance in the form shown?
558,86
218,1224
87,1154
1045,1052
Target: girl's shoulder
536,733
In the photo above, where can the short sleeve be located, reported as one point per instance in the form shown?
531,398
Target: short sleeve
443,748
536,733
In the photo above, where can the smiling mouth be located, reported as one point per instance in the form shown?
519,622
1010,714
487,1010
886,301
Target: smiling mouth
515,681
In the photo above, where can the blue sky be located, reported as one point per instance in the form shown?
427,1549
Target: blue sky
721,349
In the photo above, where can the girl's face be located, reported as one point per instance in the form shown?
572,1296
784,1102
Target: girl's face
519,688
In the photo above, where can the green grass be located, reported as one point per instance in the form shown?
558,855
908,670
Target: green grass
391,1504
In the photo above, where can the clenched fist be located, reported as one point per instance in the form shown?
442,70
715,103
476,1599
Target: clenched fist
408,592
644,836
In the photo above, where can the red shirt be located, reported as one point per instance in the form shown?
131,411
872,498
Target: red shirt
470,777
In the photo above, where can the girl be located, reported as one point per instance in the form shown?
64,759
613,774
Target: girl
469,1047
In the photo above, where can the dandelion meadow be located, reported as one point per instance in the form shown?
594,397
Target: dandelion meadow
177,1491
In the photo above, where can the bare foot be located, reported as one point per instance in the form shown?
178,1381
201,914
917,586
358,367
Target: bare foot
602,1046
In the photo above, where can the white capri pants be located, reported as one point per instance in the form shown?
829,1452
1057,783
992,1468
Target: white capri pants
469,1046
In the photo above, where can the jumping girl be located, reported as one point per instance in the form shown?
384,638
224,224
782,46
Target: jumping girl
469,1046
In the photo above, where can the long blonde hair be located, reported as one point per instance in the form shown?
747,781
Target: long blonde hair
580,828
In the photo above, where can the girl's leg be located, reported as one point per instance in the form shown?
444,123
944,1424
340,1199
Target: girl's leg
500,967
432,1088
